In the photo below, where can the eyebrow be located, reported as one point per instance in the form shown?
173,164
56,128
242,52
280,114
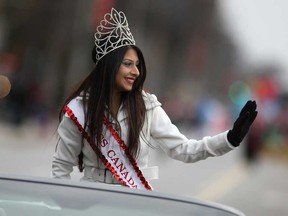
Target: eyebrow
127,59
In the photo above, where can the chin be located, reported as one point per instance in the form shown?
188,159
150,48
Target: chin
127,89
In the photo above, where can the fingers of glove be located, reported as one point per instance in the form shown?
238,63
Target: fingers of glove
245,108
243,128
253,107
250,106
253,117
244,125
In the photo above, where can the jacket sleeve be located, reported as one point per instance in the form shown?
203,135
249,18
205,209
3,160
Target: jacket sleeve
178,147
68,149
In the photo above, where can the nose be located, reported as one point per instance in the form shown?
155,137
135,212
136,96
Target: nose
135,71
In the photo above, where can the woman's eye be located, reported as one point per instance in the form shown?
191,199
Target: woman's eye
127,64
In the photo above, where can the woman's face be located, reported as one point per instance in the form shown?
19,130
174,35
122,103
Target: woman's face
128,71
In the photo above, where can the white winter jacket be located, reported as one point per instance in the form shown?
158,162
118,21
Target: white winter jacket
157,130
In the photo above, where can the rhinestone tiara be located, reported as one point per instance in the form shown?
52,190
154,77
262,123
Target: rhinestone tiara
112,33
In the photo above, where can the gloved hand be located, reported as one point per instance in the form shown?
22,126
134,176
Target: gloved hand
242,124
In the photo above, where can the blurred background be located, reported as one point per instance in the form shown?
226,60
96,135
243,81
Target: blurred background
205,58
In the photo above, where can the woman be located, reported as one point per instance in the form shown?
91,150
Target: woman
109,124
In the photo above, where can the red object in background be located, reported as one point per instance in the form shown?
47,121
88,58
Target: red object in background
100,8
267,88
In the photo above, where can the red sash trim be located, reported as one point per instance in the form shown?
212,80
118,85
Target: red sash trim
129,156
102,157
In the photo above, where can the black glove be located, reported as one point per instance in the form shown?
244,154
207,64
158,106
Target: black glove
242,124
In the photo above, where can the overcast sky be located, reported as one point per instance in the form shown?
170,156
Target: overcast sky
260,28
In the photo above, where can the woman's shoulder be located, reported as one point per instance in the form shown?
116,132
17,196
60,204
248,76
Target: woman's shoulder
150,100
76,106
76,102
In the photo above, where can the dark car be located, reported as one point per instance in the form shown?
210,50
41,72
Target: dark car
29,196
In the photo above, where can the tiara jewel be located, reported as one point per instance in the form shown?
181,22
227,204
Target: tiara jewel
112,33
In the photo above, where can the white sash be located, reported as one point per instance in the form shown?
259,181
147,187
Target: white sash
113,153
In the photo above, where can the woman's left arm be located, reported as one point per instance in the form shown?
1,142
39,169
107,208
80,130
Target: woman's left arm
179,147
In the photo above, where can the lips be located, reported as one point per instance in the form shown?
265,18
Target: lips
130,80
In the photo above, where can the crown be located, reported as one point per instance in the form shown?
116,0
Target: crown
112,33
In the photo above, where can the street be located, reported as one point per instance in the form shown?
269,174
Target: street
255,189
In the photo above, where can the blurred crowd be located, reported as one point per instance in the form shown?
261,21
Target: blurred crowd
211,115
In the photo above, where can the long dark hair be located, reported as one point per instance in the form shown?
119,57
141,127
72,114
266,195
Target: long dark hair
97,90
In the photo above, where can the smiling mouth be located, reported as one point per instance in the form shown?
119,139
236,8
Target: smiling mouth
130,80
